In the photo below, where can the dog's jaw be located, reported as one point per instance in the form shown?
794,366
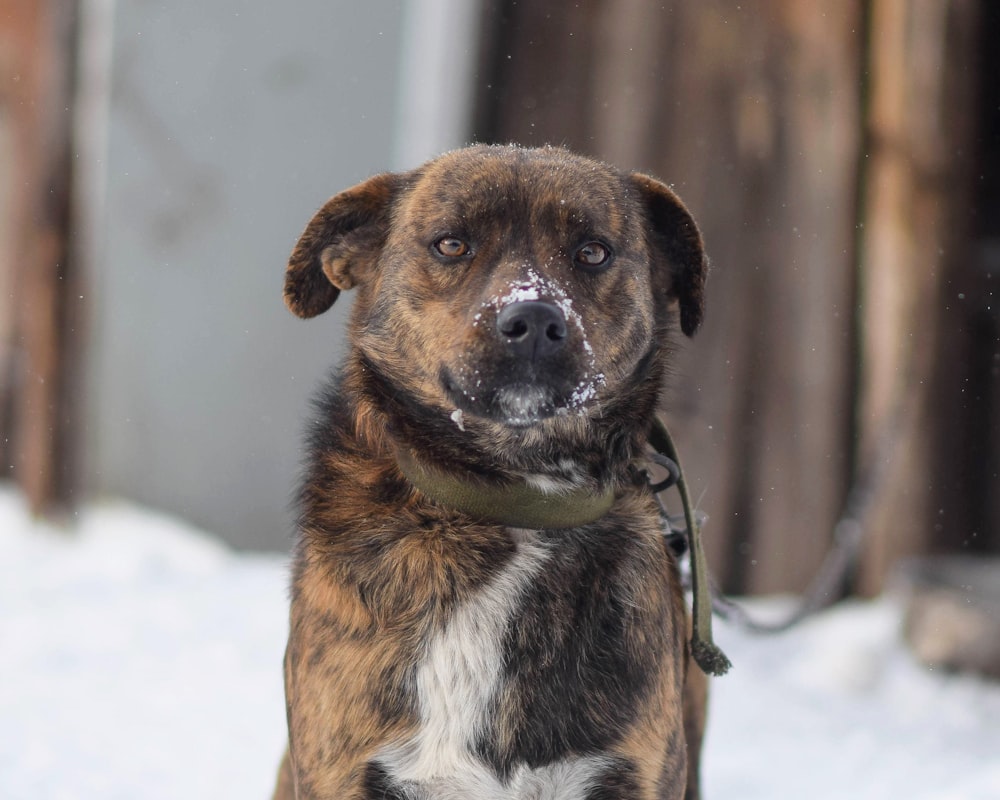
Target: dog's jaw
599,436
519,404
522,403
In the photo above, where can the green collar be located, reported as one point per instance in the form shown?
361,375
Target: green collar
517,505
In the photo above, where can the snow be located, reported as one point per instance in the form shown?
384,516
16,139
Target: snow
140,658
838,708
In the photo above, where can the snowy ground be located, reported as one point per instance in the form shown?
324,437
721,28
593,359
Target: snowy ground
141,659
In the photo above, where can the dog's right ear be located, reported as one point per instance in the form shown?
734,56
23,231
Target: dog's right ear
340,245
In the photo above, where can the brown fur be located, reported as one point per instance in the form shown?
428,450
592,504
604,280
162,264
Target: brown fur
381,567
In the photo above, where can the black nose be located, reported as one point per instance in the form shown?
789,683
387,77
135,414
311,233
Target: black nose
533,328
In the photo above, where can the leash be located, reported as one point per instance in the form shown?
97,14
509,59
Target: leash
706,653
828,584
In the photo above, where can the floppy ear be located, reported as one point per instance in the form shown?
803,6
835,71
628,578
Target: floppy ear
340,245
674,236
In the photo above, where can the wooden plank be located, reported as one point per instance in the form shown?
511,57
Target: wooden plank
916,192
38,65
765,151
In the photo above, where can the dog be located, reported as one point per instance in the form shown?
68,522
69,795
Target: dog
483,604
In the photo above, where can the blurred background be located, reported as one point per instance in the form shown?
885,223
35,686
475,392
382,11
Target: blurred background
158,161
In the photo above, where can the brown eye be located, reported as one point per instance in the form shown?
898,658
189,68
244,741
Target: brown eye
592,254
451,247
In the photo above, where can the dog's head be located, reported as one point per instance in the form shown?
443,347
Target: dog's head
516,287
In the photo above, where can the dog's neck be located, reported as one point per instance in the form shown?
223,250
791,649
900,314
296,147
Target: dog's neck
573,454
517,503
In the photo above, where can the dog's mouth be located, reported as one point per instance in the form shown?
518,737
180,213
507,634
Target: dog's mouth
521,403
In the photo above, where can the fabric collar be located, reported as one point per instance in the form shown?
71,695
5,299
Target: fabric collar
517,505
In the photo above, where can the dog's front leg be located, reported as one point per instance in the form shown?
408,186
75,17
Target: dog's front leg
345,695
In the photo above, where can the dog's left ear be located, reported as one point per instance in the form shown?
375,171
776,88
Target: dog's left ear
675,238
340,245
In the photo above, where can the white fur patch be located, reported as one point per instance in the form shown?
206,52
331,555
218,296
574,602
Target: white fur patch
548,484
569,478
458,677
571,779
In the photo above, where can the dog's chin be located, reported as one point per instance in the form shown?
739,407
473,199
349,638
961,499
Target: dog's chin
515,405
524,402
521,406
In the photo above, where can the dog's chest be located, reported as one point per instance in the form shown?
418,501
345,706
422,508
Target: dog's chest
458,681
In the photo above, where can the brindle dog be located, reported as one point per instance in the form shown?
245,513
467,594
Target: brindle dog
483,604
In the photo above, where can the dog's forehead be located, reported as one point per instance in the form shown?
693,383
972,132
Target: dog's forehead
515,185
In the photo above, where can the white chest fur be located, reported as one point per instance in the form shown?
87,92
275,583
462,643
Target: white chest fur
456,681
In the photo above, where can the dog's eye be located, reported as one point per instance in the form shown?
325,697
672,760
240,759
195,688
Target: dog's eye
592,254
451,247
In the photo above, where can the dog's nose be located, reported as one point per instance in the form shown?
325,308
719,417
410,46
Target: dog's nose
533,328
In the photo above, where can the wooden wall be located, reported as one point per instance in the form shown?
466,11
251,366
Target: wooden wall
825,150
917,221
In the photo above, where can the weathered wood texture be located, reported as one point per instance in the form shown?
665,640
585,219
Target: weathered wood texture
38,313
917,210
754,117
820,145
